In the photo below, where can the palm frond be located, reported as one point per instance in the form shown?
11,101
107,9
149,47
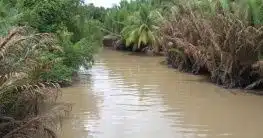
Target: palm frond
143,38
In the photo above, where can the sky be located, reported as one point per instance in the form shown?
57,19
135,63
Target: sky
104,3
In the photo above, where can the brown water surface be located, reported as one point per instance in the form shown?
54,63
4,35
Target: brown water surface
127,96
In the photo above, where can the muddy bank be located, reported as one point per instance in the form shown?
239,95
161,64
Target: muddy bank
119,45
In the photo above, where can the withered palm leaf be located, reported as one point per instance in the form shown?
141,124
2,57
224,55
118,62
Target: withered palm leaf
21,90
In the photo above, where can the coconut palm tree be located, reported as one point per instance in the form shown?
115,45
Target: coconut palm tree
140,28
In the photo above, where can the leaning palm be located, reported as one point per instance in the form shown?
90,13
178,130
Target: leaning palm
141,28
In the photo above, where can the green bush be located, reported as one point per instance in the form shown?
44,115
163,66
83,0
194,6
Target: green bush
75,26
59,73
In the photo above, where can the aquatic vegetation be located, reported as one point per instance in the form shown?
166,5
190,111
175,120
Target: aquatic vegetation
136,22
140,28
42,44
218,37
23,95
221,44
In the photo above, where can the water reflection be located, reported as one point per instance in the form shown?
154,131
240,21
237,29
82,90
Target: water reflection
135,97
84,112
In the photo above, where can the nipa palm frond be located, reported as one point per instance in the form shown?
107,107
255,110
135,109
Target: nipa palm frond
133,37
143,38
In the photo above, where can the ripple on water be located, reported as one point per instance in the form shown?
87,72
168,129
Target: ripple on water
128,96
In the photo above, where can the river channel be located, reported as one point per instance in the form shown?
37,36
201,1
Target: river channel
131,96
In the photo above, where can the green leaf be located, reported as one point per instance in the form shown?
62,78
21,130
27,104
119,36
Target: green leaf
143,38
151,37
225,4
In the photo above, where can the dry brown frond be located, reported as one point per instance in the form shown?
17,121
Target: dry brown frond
222,45
23,96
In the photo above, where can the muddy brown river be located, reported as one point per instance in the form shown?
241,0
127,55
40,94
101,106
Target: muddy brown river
128,96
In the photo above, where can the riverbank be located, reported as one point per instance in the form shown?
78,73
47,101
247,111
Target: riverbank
199,37
253,89
236,72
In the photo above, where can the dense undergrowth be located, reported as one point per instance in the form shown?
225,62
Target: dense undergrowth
222,38
215,40
42,44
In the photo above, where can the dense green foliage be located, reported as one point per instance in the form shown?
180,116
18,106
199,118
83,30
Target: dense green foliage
138,21
69,19
42,44
72,22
